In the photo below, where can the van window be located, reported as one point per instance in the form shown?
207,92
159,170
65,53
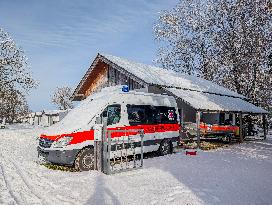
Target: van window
165,115
147,114
113,113
136,114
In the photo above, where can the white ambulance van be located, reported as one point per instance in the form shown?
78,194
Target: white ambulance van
71,141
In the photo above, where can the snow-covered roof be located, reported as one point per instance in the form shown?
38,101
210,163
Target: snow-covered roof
54,112
31,114
199,93
159,76
38,113
212,102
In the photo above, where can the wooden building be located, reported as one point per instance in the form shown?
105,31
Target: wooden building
103,73
195,96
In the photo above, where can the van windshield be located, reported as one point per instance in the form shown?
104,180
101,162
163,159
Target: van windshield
113,113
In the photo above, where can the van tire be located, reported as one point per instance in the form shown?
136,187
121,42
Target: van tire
166,147
85,160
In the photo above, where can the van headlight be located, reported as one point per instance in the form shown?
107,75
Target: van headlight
62,142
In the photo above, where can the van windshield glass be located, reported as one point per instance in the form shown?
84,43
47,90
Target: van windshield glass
80,116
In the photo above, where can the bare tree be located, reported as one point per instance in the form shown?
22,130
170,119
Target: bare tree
226,41
14,104
61,98
15,78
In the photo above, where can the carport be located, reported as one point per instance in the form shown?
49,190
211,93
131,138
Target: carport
207,103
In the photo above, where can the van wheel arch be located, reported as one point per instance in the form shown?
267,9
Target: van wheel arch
166,147
84,160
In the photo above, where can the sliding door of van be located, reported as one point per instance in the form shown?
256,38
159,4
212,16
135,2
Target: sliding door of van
158,123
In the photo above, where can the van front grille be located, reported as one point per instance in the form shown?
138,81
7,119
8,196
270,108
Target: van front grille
46,143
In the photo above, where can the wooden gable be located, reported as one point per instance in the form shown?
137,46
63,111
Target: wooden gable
103,73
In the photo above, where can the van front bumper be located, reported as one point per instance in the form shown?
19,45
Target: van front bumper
63,157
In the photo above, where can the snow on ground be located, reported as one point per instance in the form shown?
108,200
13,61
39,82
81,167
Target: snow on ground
239,174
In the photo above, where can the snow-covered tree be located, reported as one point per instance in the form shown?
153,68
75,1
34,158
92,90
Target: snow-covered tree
226,41
14,70
183,33
15,78
243,42
61,98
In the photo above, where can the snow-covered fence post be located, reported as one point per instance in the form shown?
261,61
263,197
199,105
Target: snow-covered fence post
198,113
241,128
105,139
98,150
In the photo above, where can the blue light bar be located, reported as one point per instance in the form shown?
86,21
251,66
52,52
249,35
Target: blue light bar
125,89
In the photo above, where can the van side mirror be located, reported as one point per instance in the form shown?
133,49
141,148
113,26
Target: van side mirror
98,120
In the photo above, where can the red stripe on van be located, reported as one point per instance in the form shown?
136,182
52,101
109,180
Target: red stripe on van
147,129
54,137
80,137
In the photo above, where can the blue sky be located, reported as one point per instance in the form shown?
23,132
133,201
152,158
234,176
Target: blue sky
61,37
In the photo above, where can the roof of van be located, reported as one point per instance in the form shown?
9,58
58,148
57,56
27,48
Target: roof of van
78,118
139,92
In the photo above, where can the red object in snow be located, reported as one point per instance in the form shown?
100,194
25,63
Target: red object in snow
190,152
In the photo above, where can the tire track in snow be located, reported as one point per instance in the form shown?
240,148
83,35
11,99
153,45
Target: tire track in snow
43,182
2,173
18,185
32,190
24,184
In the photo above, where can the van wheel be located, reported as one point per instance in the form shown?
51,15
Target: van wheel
165,147
85,160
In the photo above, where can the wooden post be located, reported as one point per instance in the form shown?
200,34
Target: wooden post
98,151
198,128
233,118
104,145
98,155
264,126
241,128
182,120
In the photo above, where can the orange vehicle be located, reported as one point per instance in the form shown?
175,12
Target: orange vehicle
209,131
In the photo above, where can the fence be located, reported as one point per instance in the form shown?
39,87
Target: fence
120,150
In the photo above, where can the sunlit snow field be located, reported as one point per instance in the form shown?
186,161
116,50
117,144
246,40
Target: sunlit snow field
238,174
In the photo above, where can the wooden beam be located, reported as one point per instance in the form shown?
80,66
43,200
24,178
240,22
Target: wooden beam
264,126
182,119
198,113
241,128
